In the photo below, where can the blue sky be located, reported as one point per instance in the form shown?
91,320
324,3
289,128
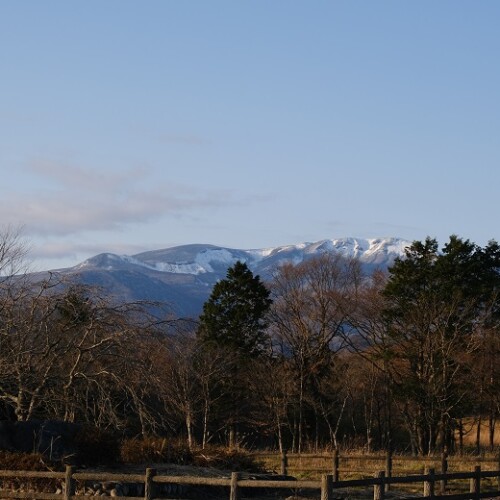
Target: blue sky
135,125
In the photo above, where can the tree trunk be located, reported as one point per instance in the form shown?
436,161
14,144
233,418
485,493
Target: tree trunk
204,438
460,437
478,435
232,436
189,428
301,410
492,423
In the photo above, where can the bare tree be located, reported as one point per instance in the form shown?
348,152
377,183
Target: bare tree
13,253
310,304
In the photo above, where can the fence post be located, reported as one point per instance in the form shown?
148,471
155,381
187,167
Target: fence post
234,494
388,467
148,484
498,468
69,483
284,463
429,483
378,487
444,470
326,487
475,482
335,464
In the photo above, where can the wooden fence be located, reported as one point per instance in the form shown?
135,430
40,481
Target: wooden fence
326,487
338,465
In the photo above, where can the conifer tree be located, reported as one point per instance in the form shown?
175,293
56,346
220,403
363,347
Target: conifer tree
439,305
233,322
234,316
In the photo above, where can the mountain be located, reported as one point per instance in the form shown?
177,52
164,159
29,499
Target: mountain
183,276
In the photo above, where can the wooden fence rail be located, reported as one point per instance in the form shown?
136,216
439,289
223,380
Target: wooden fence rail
333,462
379,483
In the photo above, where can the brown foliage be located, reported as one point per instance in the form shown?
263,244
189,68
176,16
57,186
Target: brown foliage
156,450
151,449
222,458
26,462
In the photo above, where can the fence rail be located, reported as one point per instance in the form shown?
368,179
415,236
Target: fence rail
332,463
380,483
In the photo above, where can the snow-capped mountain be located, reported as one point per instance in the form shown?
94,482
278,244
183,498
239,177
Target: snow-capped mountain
183,276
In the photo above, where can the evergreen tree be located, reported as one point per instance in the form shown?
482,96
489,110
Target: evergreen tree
234,316
233,324
439,304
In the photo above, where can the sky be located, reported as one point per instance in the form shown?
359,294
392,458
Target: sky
128,126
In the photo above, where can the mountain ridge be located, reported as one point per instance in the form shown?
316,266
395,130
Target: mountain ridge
184,275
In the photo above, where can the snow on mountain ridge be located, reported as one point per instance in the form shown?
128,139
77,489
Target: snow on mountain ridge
206,259
202,262
364,249
221,255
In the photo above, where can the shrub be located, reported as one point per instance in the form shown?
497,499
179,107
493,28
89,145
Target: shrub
222,458
156,450
151,449
96,446
26,461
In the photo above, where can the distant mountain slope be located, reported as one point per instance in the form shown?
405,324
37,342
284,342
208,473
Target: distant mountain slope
183,276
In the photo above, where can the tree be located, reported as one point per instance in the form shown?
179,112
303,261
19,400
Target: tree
438,304
368,340
234,323
308,316
13,253
234,316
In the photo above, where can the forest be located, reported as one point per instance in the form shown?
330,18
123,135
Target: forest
324,355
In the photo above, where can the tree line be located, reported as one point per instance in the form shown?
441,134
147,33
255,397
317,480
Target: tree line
323,354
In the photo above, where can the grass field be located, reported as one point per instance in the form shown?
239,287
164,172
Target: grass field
356,465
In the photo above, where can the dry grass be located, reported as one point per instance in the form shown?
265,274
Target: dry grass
154,449
24,461
357,465
28,462
222,458
157,450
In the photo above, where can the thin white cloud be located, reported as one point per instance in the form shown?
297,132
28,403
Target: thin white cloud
62,250
69,213
73,176
75,199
